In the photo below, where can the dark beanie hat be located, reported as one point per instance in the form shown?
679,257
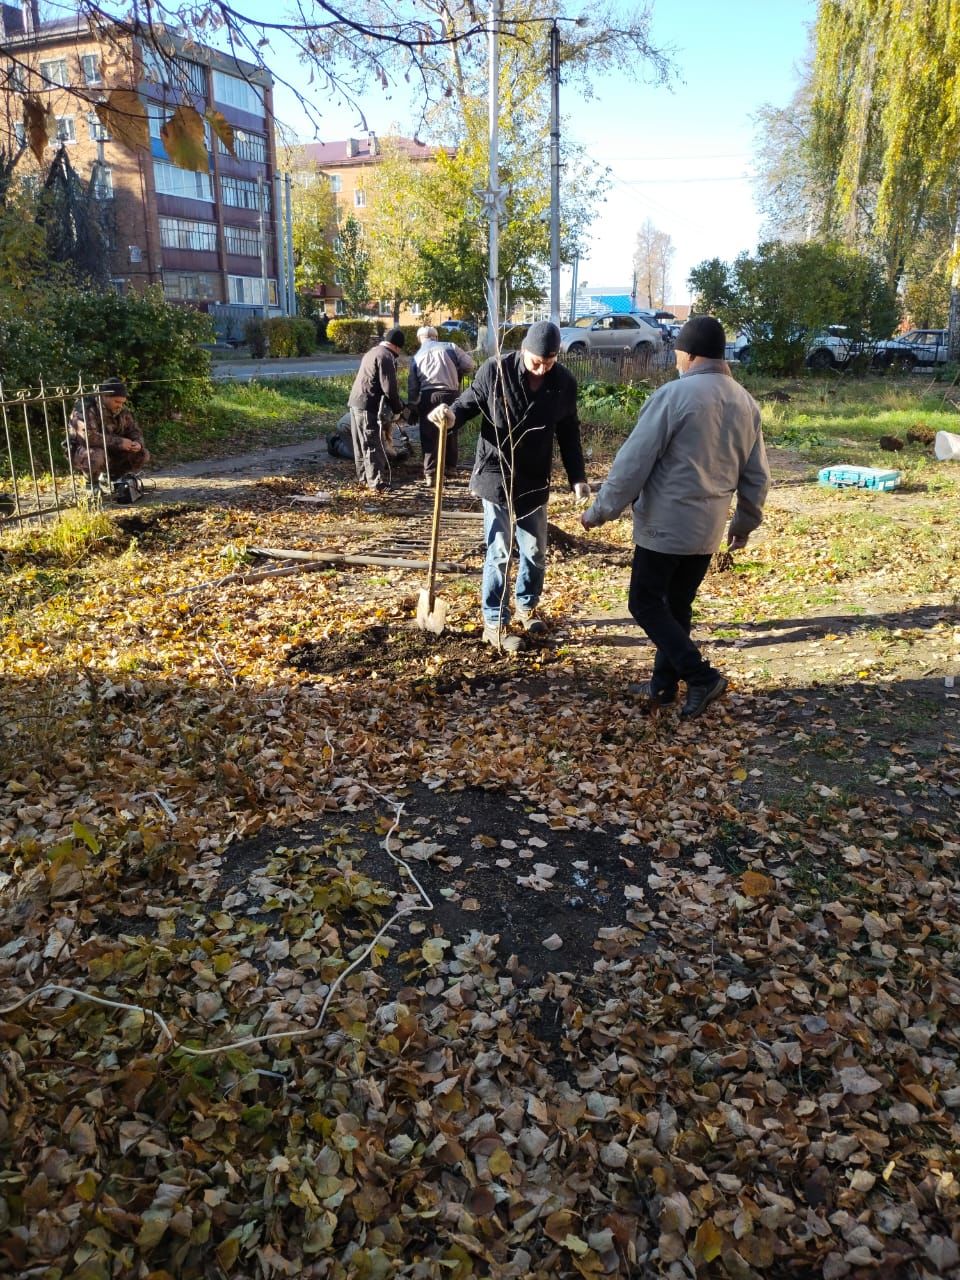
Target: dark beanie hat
542,339
395,337
113,387
702,336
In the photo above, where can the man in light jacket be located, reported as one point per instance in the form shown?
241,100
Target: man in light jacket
697,442
434,378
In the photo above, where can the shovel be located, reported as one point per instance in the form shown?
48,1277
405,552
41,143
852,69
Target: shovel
431,612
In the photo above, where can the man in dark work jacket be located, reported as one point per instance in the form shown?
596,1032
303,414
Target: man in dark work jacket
376,380
526,400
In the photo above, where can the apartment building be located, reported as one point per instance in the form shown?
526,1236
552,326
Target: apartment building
211,238
348,166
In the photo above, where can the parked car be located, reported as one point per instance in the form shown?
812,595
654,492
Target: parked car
834,348
919,347
466,327
737,348
612,333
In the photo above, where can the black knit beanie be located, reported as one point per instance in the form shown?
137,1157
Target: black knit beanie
113,387
702,336
395,337
542,339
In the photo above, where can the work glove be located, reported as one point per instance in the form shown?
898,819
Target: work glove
442,416
581,491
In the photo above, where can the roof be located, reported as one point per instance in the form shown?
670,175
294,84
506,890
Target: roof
358,151
619,303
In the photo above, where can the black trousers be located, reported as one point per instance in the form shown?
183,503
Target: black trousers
662,591
430,436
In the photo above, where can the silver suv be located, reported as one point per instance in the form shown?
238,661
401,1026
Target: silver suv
611,333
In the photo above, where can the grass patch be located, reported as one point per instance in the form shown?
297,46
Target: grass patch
243,416
80,531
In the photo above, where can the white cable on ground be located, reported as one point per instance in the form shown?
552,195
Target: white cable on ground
425,904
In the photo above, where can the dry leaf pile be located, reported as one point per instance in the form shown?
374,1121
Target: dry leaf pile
722,1037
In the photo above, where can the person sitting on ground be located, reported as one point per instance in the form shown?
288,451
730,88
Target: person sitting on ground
434,378
104,436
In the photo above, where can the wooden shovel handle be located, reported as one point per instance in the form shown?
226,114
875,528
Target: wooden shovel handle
437,507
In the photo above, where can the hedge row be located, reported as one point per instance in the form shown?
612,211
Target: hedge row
357,336
71,332
280,336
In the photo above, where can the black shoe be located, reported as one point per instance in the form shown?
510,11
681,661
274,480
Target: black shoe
699,696
655,697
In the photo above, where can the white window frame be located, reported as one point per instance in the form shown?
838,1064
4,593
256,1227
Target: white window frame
188,233
55,71
360,198
66,128
234,91
247,291
97,130
90,71
234,238
246,146
103,184
340,307
246,191
336,183
171,181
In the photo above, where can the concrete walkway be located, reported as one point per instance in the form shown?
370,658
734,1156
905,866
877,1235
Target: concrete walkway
320,365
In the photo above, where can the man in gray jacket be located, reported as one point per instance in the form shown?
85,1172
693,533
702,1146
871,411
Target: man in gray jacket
434,378
697,442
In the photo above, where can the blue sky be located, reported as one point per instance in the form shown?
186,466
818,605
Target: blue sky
680,156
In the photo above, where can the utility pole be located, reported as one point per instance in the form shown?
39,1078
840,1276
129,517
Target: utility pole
554,172
574,284
492,197
263,247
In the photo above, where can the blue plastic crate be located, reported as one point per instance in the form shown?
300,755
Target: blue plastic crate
840,477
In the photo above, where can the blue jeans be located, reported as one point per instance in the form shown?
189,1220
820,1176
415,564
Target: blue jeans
530,533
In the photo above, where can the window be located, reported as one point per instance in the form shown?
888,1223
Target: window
360,198
239,193
90,69
243,240
95,127
66,129
385,307
188,286
103,183
625,322
158,116
237,92
178,72
246,146
337,279
340,308
416,309
182,233
247,291
54,72
20,133
16,78
335,183
171,181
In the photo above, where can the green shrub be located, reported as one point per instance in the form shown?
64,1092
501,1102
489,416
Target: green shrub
72,332
351,336
513,337
255,336
290,336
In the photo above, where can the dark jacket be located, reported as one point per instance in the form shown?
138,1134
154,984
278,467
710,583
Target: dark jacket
105,434
376,380
515,448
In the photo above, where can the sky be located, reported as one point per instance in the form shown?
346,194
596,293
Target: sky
680,156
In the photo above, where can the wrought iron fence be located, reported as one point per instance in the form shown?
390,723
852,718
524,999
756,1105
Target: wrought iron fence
617,366
45,464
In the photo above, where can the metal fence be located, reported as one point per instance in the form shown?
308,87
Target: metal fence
38,479
617,366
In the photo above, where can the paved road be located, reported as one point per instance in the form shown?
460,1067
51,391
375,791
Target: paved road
322,366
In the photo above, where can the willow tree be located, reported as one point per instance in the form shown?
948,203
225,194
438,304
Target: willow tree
887,109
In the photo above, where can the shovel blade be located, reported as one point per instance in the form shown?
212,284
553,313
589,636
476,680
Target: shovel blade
430,618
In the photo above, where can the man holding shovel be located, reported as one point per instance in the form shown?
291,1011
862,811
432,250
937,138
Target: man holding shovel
526,400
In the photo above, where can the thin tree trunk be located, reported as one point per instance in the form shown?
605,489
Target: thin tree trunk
953,330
